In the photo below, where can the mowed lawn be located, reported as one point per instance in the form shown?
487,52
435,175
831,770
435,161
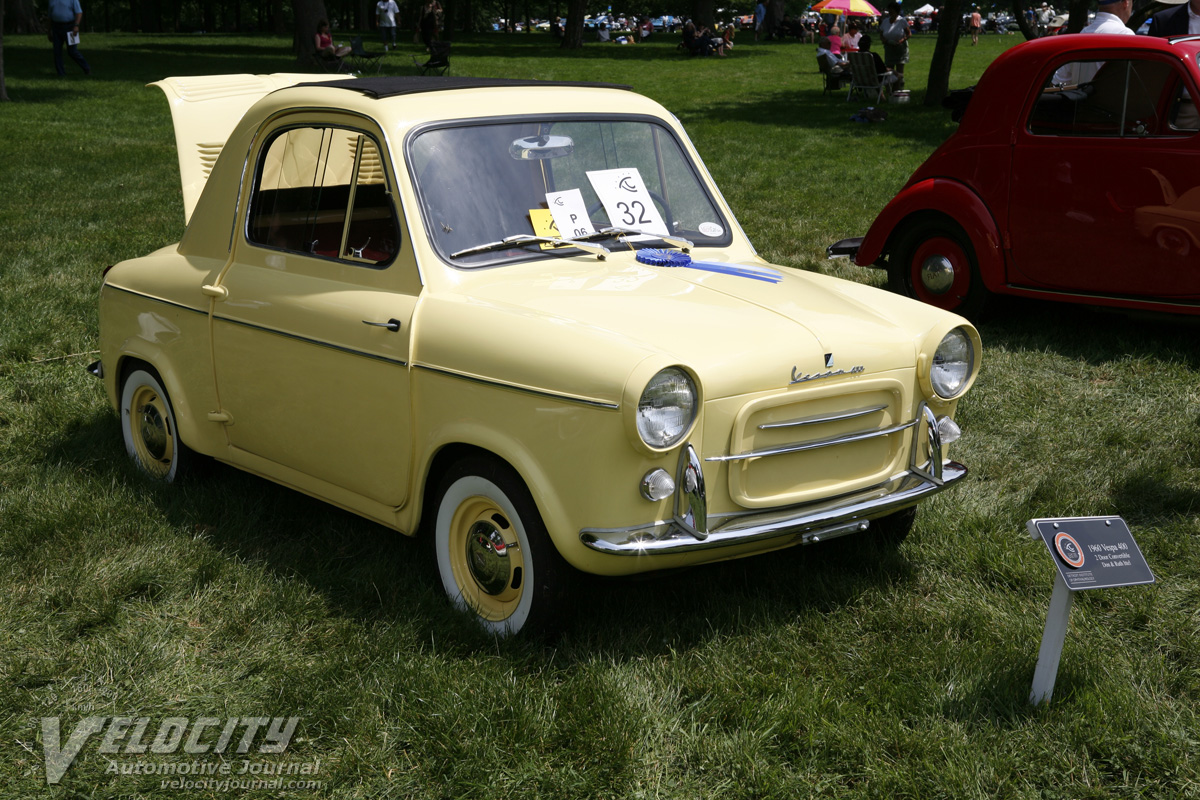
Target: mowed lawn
843,670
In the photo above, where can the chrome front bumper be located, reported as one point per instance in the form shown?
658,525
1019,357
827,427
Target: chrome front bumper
691,529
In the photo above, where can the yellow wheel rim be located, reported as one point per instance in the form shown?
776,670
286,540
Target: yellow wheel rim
486,559
150,429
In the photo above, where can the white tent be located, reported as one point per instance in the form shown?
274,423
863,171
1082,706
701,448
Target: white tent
925,9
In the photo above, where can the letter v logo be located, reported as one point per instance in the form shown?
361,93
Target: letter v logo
59,758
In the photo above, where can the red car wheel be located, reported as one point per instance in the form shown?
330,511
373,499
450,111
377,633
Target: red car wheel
936,266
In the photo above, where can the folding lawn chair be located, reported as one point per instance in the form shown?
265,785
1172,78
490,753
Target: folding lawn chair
361,60
864,80
439,59
833,80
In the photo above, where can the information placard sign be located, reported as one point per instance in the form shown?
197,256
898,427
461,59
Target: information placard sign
1093,552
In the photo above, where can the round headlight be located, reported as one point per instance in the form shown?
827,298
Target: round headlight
667,408
953,364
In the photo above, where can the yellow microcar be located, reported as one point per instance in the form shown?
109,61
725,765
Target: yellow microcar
518,316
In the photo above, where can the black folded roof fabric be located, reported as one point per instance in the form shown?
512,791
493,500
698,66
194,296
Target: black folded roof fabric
393,86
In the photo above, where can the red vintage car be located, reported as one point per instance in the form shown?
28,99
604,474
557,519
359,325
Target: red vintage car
1072,176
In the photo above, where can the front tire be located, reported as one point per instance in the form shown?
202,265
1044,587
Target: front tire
149,430
936,265
895,527
494,556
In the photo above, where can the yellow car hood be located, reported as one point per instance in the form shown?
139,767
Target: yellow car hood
578,327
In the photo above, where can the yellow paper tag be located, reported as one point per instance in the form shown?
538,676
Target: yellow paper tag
543,225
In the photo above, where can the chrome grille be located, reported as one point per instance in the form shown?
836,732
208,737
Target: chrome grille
797,447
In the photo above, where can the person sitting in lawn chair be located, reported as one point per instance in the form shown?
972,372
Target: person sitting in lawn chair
324,42
698,42
836,64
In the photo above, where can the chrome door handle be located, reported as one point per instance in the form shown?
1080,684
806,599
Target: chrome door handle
392,324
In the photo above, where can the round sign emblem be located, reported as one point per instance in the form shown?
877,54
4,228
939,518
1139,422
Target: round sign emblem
1068,549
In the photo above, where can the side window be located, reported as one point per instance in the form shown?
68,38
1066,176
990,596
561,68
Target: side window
1118,98
323,192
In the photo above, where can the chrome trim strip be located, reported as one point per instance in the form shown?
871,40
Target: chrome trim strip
816,420
152,297
933,435
808,524
535,392
317,342
691,496
817,443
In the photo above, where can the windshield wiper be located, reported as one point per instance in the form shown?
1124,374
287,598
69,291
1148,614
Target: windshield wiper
675,241
599,250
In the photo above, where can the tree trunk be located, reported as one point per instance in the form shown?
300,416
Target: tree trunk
776,10
1079,13
3,89
949,21
573,28
308,14
22,17
1028,30
278,23
702,13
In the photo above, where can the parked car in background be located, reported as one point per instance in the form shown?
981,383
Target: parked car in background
1072,176
517,317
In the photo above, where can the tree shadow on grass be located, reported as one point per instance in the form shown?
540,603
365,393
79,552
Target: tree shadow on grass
370,573
811,109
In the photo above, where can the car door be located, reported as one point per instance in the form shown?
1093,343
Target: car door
1107,152
311,328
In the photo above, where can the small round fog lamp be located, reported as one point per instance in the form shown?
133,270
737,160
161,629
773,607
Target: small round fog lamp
657,485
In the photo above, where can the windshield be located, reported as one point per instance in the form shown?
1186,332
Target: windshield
482,186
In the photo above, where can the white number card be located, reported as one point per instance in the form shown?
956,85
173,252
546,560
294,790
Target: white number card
627,200
570,213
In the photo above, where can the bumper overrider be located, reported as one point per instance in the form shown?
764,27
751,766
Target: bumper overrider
691,528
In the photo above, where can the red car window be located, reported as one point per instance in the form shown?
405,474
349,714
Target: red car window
1115,98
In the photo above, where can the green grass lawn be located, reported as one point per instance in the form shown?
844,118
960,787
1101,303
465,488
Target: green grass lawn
842,670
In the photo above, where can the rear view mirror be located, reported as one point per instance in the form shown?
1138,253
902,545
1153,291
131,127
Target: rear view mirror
541,146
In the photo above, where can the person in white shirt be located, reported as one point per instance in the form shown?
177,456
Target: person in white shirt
1110,19
385,17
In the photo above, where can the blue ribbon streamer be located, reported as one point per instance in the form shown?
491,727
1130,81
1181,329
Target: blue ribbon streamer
670,258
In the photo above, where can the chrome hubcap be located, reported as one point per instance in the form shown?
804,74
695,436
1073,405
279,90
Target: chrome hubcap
937,274
153,431
487,558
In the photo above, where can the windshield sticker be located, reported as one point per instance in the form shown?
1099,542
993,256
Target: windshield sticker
543,225
570,213
711,229
626,200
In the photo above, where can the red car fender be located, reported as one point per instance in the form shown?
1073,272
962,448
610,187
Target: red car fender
946,198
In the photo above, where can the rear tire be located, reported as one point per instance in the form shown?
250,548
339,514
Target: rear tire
935,263
494,556
149,430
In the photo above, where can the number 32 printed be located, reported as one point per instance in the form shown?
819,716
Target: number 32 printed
629,218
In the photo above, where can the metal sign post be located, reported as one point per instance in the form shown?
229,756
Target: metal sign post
1090,553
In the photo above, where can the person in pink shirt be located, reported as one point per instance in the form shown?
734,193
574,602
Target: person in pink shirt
835,41
976,24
